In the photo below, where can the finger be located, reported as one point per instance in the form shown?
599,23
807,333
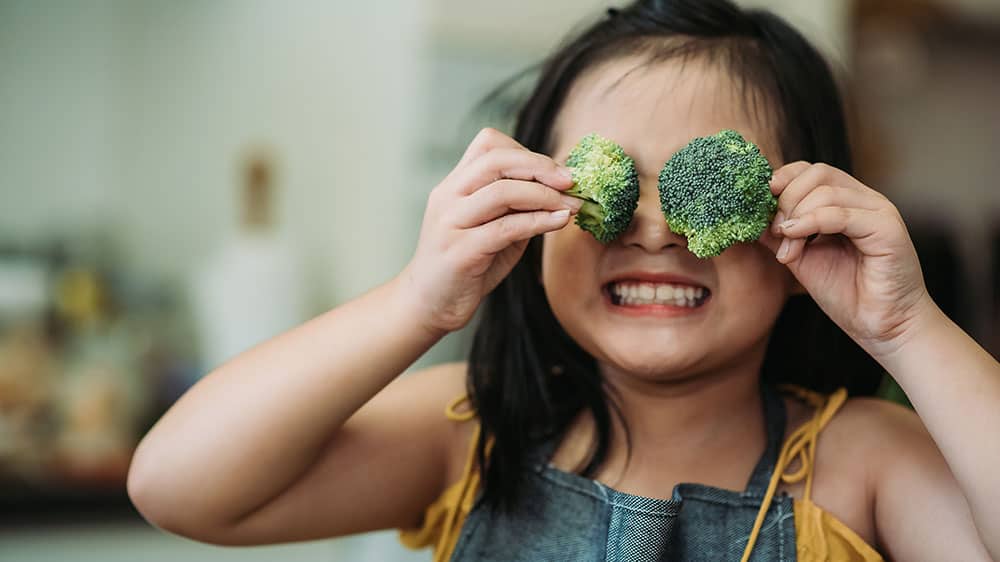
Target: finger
497,235
785,174
504,196
790,249
486,140
853,223
810,178
511,163
830,196
861,226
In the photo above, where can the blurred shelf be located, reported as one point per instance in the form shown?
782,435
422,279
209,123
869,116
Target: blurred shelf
22,505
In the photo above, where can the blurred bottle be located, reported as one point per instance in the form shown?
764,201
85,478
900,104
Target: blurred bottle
250,289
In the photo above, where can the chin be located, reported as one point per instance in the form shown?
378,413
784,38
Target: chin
652,365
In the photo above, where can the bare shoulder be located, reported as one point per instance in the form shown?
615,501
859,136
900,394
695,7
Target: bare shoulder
849,453
438,385
424,394
879,429
436,388
869,436
861,424
863,442
407,438
915,495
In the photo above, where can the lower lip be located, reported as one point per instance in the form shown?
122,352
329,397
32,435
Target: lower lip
656,310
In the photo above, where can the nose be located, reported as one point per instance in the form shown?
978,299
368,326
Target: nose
648,229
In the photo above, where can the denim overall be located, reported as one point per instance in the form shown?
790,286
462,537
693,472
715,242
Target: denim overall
568,517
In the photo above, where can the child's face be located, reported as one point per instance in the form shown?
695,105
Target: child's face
652,112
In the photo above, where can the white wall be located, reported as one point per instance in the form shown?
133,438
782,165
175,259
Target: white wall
56,105
134,115
325,85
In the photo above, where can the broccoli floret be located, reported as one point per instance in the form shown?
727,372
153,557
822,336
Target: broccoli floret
604,177
715,192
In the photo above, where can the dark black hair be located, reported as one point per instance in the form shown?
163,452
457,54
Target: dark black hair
527,379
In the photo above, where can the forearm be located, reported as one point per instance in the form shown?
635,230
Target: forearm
954,385
249,429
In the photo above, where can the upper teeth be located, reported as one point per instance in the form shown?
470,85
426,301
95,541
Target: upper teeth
657,293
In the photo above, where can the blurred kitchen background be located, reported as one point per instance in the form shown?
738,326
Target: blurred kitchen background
180,180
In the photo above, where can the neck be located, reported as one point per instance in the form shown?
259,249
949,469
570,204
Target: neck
685,424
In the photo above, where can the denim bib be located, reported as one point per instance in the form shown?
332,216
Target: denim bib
564,516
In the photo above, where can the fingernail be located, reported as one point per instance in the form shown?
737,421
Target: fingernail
787,224
572,202
778,219
783,249
559,216
566,173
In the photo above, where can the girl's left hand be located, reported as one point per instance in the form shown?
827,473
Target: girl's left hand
860,266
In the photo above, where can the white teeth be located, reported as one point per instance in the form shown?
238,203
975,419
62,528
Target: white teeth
632,293
647,292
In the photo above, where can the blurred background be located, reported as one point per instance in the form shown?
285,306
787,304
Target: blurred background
181,180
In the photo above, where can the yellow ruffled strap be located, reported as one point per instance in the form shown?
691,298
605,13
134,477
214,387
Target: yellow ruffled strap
456,501
801,445
451,410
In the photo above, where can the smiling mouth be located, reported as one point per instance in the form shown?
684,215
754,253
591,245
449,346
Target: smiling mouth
646,294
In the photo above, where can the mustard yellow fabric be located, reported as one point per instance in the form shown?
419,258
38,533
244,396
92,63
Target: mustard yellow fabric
820,536
442,524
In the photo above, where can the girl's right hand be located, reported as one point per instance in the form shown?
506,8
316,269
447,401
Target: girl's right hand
477,225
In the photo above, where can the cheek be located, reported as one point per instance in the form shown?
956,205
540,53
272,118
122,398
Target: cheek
754,283
551,256
555,282
569,274
567,255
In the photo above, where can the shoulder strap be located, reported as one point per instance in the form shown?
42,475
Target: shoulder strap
451,410
466,488
801,445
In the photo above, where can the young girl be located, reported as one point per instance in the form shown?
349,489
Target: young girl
705,419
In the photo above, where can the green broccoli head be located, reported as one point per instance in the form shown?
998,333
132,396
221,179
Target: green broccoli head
604,177
715,192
